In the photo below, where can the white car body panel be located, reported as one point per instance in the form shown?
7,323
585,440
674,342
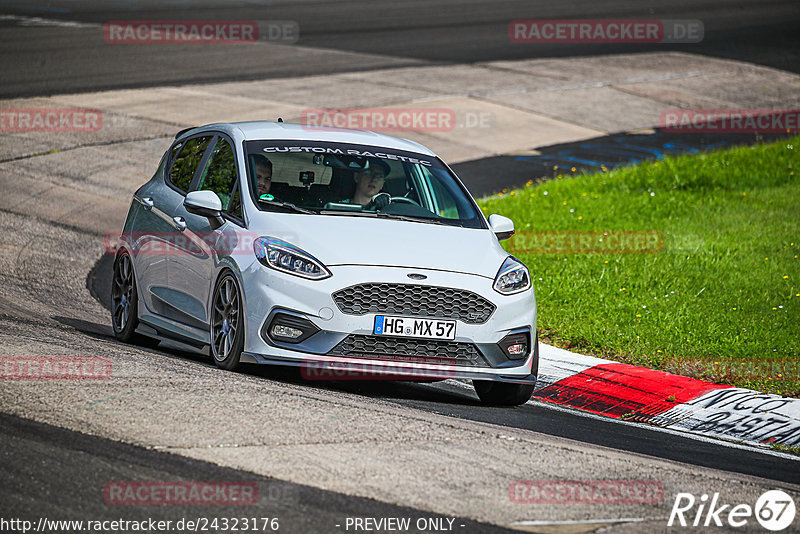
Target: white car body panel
349,240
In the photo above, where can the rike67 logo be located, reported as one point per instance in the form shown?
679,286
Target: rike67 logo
774,510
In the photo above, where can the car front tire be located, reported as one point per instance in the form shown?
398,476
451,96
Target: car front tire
501,393
227,323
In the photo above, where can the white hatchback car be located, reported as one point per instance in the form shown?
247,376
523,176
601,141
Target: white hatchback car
348,253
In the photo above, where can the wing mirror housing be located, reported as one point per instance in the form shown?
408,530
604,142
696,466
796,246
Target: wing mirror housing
503,227
205,204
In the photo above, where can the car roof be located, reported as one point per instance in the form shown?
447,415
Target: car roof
260,130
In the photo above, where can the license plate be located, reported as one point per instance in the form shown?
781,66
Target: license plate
386,325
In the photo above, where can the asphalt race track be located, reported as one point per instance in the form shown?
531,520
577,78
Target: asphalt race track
319,452
451,400
32,452
357,35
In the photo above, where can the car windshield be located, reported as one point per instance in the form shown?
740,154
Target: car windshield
356,180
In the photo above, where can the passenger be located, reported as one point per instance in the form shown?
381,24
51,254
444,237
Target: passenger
263,168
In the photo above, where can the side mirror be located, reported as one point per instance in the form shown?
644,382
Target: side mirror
205,204
503,227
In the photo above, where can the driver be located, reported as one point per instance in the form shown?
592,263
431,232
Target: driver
369,181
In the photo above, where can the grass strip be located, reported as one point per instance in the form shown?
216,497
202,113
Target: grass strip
688,264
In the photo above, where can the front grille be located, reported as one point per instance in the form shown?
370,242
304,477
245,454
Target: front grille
414,300
411,350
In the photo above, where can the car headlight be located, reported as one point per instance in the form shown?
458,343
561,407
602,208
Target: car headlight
287,258
513,277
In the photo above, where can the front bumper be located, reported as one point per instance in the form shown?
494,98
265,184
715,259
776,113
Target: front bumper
343,345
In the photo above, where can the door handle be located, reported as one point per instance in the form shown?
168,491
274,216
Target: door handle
180,223
147,202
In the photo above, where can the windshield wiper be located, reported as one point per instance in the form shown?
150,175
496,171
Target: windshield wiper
411,218
287,205
357,213
394,216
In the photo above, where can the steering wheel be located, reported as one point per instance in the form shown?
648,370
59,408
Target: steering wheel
406,200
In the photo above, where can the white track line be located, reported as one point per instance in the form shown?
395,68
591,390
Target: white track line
577,522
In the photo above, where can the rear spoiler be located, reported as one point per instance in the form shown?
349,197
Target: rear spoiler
177,135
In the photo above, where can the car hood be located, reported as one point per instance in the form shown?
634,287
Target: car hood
353,240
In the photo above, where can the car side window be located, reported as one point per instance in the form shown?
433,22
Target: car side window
445,203
441,200
219,175
186,161
235,208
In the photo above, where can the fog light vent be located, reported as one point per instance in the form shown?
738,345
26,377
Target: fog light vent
516,346
280,330
287,328
513,350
